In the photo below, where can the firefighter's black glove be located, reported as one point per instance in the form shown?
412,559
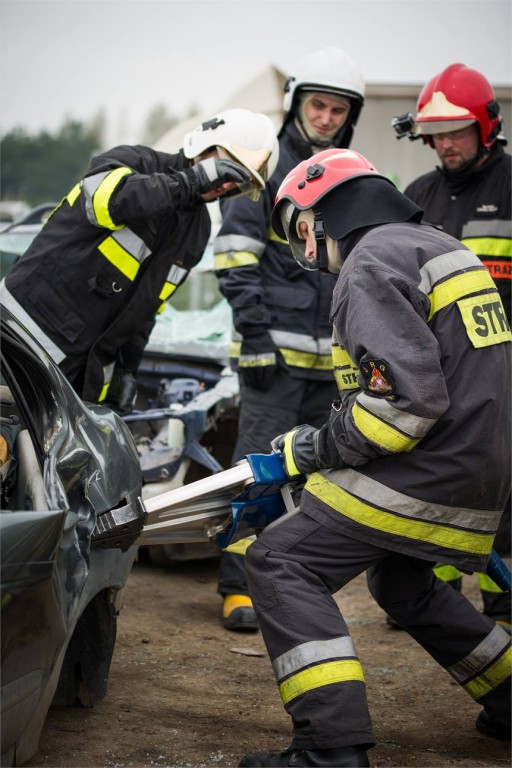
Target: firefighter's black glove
306,449
257,362
122,392
207,175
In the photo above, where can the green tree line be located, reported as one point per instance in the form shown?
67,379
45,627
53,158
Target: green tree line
42,167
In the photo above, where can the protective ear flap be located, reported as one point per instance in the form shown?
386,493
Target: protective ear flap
364,202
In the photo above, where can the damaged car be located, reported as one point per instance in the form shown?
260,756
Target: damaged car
65,464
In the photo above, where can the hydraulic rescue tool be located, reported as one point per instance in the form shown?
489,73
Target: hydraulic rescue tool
239,502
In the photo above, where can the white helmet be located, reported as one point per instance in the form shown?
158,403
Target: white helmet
248,138
329,70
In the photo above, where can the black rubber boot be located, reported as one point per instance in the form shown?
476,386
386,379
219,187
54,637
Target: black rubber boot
490,727
343,757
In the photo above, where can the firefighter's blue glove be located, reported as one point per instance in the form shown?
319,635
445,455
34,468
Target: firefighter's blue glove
306,449
207,175
257,363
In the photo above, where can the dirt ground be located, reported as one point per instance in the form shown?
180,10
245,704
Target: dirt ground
183,692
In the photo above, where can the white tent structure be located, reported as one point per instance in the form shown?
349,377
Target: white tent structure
264,93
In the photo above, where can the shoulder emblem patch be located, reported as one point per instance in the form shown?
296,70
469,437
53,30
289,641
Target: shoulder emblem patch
377,376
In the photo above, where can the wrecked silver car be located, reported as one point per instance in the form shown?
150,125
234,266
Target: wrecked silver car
64,464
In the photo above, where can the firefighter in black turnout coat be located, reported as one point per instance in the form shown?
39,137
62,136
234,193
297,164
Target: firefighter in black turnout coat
407,471
122,241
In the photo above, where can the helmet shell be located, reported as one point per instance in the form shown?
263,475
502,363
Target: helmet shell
329,70
248,137
455,98
314,178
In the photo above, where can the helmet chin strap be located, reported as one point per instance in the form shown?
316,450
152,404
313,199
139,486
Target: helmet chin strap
322,257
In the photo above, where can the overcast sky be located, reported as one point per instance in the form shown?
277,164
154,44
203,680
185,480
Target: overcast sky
71,58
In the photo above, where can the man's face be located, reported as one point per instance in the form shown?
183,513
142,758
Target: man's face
324,115
457,148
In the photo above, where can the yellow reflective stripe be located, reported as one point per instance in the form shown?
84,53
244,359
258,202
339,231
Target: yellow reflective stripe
457,287
235,348
234,259
167,291
341,357
75,192
101,197
306,359
320,675
275,237
381,434
447,572
489,246
291,468
120,258
497,673
486,584
161,308
343,502
240,547
103,392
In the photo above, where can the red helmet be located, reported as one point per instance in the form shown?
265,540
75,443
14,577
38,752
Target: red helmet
305,186
457,97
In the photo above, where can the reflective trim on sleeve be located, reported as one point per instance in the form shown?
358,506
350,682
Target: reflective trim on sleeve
174,278
414,426
305,360
74,194
381,434
291,468
346,373
8,300
441,267
458,287
230,244
257,361
121,259
108,372
234,259
316,677
489,246
390,515
98,190
312,652
301,342
493,228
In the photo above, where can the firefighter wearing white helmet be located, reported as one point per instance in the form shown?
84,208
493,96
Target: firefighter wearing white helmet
404,472
281,336
121,243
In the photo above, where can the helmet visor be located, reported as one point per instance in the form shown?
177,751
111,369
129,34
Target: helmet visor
252,187
431,127
289,216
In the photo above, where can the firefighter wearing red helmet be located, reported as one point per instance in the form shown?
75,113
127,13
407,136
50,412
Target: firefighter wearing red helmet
404,473
469,196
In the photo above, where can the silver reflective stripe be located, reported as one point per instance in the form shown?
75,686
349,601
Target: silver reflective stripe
490,647
414,426
445,265
8,300
131,243
382,497
176,275
89,186
491,228
108,372
311,653
229,243
210,169
301,342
